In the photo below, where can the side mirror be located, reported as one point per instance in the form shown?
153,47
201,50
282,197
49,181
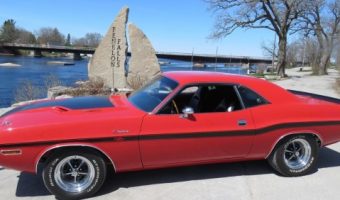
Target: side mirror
187,111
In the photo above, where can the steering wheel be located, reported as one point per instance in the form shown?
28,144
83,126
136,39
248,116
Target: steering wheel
175,106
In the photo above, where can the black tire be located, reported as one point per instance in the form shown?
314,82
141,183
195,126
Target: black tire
56,178
295,156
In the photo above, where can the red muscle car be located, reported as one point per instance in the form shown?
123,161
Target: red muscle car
178,119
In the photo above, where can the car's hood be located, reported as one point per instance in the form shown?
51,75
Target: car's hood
78,103
70,119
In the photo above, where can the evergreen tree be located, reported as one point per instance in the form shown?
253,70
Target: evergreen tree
8,32
68,40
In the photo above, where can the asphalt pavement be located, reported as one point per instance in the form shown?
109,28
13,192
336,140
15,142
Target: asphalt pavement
245,180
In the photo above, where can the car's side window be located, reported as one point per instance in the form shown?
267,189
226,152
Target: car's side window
250,98
204,99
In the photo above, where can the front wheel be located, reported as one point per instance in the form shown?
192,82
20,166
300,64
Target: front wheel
295,156
74,175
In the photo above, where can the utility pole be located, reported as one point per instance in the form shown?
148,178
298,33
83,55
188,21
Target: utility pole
216,58
192,58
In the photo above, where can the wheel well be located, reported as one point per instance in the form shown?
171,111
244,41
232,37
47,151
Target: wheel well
48,154
314,136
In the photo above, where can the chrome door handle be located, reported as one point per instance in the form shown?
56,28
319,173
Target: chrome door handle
242,122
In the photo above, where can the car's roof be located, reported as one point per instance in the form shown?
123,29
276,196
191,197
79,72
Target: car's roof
270,91
185,77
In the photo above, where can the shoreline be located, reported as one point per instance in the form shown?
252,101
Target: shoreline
302,81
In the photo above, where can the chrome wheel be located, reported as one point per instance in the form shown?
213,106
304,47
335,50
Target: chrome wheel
297,153
74,174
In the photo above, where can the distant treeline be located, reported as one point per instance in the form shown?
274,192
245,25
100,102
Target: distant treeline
10,33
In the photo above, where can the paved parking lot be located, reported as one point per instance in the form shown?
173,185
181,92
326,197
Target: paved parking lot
246,180
239,181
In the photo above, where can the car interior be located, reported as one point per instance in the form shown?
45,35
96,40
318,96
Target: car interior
204,99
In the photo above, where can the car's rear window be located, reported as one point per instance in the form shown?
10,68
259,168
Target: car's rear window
250,98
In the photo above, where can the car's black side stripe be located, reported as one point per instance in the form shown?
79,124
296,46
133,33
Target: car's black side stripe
81,140
180,135
239,133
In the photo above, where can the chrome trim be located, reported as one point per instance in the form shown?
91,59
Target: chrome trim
120,131
181,87
71,145
239,96
242,122
295,133
297,153
73,177
187,111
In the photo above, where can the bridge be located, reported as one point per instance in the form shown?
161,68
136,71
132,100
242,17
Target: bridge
77,51
38,49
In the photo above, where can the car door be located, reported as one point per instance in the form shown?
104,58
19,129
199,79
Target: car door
210,136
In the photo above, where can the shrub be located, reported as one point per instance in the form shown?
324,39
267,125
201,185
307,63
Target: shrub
94,86
27,91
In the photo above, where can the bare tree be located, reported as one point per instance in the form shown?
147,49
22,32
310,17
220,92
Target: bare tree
50,36
295,53
337,55
25,37
275,15
311,51
27,91
93,39
322,19
89,40
269,49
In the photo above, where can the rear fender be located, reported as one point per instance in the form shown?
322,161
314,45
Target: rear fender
302,132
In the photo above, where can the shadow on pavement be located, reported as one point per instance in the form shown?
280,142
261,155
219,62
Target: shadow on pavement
32,185
328,158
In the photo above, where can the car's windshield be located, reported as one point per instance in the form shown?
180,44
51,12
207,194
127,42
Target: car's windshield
152,94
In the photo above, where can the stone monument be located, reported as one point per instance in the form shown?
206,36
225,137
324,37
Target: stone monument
143,64
109,60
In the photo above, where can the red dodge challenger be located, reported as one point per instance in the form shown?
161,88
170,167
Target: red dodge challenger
179,118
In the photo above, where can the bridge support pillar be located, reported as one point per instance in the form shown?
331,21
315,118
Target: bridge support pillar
37,53
76,56
31,53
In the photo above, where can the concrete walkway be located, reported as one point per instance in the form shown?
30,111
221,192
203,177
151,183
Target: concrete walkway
239,181
303,81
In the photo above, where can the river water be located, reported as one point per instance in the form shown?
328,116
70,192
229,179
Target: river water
37,70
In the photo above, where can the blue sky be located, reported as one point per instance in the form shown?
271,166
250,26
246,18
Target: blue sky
172,25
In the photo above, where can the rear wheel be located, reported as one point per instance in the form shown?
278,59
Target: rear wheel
295,156
74,175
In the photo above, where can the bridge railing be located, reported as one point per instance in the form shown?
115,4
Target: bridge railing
86,49
46,46
213,56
